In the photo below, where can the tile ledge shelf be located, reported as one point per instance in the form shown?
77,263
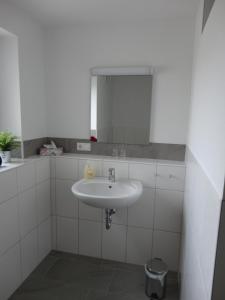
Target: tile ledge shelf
16,163
155,151
120,159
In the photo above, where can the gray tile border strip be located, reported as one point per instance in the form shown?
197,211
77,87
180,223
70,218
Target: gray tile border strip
17,153
32,147
152,150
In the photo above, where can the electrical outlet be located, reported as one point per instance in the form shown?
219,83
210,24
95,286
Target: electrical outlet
83,146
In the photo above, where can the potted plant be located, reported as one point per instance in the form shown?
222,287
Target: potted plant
8,142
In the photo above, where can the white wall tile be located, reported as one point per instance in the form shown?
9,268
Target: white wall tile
52,166
168,210
67,235
202,211
141,213
139,245
170,177
27,211
53,196
29,253
66,168
166,245
26,176
42,169
120,217
9,224
140,216
208,234
121,169
66,203
90,238
54,232
10,272
192,284
143,172
114,242
89,213
44,239
95,164
43,201
8,185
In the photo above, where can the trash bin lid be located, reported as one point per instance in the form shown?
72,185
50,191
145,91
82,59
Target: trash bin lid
157,266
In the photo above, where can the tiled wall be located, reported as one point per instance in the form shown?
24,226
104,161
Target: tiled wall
149,228
202,207
25,223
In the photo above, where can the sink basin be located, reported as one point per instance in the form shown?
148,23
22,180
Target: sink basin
100,192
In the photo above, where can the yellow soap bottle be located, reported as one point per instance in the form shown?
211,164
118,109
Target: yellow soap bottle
89,172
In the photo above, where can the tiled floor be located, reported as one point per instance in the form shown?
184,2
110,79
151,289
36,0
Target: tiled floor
73,277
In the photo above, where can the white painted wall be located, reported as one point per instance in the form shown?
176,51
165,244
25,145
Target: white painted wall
207,125
206,159
72,51
10,113
31,68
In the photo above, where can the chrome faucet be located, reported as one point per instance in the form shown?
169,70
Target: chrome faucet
112,175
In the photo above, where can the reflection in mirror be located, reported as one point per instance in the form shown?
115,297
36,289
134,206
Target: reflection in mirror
120,108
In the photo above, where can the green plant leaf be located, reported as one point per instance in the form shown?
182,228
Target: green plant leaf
8,141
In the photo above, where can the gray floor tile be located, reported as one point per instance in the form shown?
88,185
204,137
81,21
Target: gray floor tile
71,271
127,281
121,266
128,296
62,276
66,292
96,294
34,284
45,266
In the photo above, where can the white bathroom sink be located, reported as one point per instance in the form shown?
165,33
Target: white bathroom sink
100,192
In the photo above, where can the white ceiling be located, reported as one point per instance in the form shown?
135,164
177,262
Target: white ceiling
110,11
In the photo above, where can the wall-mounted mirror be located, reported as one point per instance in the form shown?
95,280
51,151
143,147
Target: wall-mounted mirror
121,106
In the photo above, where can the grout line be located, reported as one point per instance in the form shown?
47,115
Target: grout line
43,181
11,198
78,227
154,218
126,239
37,210
54,240
10,248
101,234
